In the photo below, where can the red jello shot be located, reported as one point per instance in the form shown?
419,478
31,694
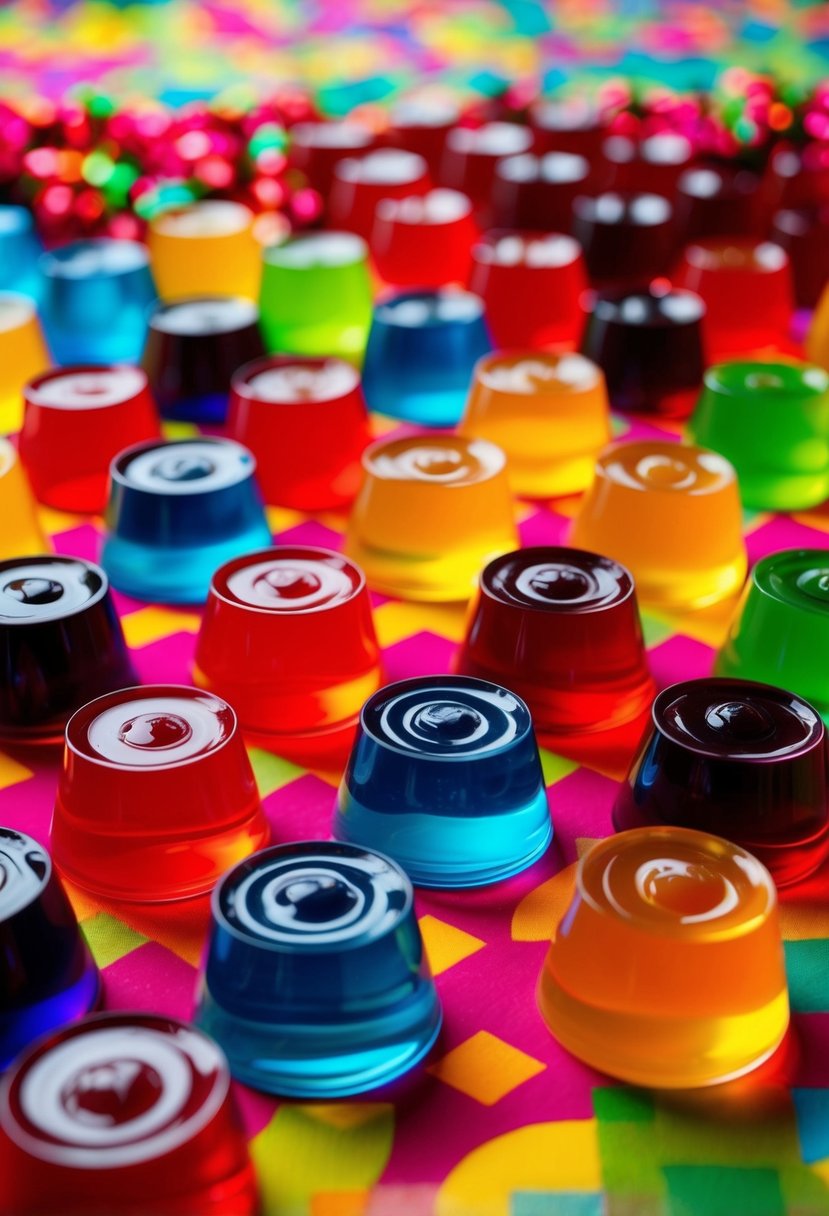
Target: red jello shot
804,233
423,240
421,125
76,420
537,192
628,239
561,628
358,184
717,200
747,290
648,166
157,796
316,147
306,423
472,154
123,1112
533,286
571,124
288,638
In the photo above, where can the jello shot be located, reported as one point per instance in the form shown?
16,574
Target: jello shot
360,182
628,239
423,240
472,154
432,511
23,354
21,531
206,249
537,192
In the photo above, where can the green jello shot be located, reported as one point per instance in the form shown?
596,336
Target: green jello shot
771,420
780,633
316,296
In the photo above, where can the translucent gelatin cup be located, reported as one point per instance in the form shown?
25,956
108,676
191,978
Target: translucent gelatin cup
20,249
561,627
76,420
21,531
446,778
316,982
125,1112
206,249
61,642
548,412
47,976
667,968
422,349
193,348
421,124
627,239
157,796
780,630
804,233
423,240
359,183
176,511
316,147
471,155
305,421
718,200
432,511
537,192
817,339
288,638
745,761
23,354
771,420
671,513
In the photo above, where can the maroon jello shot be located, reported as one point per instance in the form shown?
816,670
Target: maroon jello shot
718,200
628,239
571,124
537,192
360,182
472,154
560,627
316,147
421,125
651,165
740,760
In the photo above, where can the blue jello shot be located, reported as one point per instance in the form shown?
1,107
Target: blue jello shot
20,249
422,348
96,296
446,778
177,511
47,976
316,982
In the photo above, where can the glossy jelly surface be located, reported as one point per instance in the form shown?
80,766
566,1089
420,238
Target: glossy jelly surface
205,249
628,239
423,240
23,354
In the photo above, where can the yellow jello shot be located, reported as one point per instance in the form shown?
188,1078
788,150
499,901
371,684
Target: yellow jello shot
667,968
431,512
20,532
23,354
670,512
550,414
206,249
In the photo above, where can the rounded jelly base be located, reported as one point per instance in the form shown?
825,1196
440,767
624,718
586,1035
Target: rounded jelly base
20,1027
783,491
663,1052
170,575
452,851
336,1060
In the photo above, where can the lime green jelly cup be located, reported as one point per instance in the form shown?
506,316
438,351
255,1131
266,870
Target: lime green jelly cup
780,633
771,420
316,296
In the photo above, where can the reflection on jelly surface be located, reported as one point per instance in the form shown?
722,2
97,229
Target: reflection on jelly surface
548,413
561,627
627,239
88,388
146,733
275,993
292,584
780,629
445,777
186,467
211,315
48,588
743,760
431,511
671,513
423,240
47,977
125,1110
667,968
298,382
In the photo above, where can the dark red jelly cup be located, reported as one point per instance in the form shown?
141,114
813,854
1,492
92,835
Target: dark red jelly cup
628,239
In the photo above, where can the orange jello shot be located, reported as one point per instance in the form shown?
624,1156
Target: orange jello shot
20,532
23,354
548,412
667,968
207,249
432,511
670,512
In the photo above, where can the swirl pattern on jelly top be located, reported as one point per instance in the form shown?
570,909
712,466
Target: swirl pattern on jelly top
39,589
151,728
185,466
313,895
115,1090
557,579
86,388
666,468
736,719
676,881
289,580
439,459
287,382
539,373
213,217
319,250
445,717
205,315
799,577
504,248
425,309
25,869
